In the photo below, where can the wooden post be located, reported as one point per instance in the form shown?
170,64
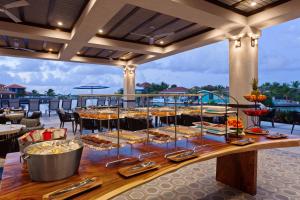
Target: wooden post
238,171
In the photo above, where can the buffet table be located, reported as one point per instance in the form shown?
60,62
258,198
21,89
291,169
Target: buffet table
236,166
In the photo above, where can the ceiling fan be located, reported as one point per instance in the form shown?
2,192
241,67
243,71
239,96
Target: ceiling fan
5,9
16,46
152,38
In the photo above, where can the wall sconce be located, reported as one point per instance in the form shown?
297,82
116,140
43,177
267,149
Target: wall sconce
238,43
253,42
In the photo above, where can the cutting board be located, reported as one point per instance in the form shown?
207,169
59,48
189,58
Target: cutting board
128,171
71,193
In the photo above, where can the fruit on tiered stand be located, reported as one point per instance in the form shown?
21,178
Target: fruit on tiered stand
255,95
255,113
235,124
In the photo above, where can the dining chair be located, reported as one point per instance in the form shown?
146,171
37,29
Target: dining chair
296,120
34,105
65,117
67,104
53,105
14,103
4,103
101,101
112,101
81,102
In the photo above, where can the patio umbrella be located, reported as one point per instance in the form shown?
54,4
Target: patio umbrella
91,87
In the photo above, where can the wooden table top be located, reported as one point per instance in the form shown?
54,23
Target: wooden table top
16,183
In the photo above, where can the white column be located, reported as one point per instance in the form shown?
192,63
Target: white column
129,85
243,67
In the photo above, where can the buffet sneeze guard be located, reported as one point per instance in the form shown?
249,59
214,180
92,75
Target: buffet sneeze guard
172,120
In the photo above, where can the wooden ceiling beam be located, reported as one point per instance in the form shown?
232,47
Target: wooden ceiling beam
34,33
185,45
27,54
200,12
94,17
276,15
100,61
112,44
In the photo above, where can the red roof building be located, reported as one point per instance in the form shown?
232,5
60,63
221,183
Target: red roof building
175,90
16,86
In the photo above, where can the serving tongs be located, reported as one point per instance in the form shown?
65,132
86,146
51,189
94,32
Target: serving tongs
72,187
180,153
142,165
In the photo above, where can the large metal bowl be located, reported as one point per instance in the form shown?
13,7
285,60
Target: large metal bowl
52,167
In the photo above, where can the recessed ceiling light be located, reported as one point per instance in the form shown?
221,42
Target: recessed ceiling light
50,50
161,42
253,3
100,31
60,23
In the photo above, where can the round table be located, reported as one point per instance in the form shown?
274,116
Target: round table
10,129
14,116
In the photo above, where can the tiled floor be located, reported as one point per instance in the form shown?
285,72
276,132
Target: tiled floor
278,176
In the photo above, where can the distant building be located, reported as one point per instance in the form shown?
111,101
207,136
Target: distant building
11,91
17,89
175,90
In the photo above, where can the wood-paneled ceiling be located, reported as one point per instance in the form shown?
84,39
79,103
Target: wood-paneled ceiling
107,54
132,19
30,45
247,7
47,13
131,30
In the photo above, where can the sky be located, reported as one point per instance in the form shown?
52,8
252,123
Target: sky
279,60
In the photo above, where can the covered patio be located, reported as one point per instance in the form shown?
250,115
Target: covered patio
128,33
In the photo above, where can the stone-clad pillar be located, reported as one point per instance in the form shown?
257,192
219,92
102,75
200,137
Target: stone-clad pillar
243,67
129,85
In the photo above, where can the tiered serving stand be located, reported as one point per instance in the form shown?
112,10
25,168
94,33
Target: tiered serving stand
255,113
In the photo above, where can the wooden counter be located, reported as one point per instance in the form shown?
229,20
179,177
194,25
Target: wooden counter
236,166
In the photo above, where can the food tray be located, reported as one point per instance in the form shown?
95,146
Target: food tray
212,126
243,142
166,136
184,130
276,136
138,169
107,144
131,137
263,132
